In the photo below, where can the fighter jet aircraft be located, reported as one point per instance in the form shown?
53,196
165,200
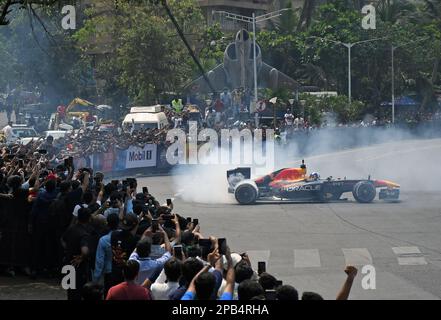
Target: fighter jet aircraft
237,70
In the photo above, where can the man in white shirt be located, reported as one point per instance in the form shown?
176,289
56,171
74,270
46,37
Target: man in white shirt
7,131
168,280
289,118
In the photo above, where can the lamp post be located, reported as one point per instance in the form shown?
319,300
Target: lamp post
349,46
393,48
253,20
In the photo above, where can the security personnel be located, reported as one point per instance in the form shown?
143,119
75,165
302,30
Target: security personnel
177,105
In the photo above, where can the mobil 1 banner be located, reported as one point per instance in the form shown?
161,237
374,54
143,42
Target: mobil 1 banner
141,157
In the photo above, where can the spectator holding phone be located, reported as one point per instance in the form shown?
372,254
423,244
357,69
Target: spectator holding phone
150,268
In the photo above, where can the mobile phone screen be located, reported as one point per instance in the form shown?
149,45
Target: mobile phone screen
169,202
145,190
178,252
261,267
155,225
222,244
188,219
195,222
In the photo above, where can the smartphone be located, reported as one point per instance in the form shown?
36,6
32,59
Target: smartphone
261,267
66,163
222,245
42,151
178,251
71,163
21,163
279,283
155,225
188,219
145,190
169,202
195,222
205,246
270,295
205,243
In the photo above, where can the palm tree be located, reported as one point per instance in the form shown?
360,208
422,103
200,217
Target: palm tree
306,15
395,11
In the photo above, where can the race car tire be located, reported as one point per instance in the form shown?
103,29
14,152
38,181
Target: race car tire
245,193
364,192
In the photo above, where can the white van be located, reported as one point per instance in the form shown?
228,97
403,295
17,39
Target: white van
146,118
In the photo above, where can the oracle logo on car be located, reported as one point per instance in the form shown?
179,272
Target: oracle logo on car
302,188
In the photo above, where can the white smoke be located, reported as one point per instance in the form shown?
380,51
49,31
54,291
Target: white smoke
389,154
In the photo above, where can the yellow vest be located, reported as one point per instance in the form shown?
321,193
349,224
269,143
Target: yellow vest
177,105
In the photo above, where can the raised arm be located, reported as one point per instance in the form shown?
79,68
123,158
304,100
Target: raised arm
167,244
85,183
231,277
177,229
347,285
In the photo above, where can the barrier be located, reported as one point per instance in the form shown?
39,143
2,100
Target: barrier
152,157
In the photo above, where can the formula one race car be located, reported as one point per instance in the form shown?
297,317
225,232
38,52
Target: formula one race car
293,184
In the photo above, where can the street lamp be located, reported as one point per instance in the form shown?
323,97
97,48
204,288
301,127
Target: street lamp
393,48
349,46
254,20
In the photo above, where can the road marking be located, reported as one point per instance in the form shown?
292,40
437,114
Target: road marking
257,256
306,258
409,256
397,153
357,256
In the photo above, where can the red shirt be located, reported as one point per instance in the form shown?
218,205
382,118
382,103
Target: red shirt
128,291
218,106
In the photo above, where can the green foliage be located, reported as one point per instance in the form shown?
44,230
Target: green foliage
147,57
32,57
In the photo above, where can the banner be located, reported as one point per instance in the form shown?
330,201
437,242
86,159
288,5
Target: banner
141,157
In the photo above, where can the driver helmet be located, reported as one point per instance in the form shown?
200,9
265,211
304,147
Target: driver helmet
314,176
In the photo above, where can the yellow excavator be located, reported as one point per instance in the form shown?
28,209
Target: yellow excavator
64,118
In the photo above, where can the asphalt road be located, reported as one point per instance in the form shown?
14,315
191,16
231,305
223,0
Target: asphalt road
308,245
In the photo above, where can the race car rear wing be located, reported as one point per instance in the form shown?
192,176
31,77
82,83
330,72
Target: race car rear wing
245,172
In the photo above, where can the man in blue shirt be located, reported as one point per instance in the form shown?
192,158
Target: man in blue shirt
150,268
103,261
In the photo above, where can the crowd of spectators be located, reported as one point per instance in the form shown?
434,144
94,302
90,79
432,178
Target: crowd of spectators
124,243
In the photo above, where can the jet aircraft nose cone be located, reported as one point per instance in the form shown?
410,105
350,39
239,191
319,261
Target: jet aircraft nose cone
242,35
